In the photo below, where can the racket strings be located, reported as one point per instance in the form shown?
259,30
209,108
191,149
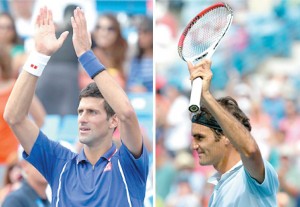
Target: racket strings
205,32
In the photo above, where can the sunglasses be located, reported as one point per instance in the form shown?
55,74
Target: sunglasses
110,29
6,27
144,31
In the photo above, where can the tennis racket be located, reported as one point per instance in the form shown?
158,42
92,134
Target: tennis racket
200,39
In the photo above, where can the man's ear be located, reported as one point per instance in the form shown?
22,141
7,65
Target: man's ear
226,141
113,121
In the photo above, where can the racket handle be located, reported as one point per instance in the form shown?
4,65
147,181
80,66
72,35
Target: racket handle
195,95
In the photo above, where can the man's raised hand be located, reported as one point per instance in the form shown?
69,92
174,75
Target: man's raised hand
81,37
45,39
202,70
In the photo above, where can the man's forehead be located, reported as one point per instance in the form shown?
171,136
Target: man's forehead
91,102
199,128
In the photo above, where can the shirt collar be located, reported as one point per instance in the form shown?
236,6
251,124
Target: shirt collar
107,155
216,177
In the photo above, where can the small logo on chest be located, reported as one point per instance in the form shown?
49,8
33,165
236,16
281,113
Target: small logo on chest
108,167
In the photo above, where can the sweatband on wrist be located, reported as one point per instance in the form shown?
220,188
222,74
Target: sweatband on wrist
91,64
36,63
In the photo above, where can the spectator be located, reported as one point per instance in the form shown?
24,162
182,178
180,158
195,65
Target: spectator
109,47
262,128
291,122
32,192
10,39
183,195
165,172
22,13
12,177
178,130
273,102
288,173
140,77
162,107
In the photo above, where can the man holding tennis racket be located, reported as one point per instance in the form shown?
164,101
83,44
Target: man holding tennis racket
101,174
221,137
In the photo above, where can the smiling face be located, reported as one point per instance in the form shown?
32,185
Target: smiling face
93,122
210,151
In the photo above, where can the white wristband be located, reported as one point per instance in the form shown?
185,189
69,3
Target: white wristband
36,63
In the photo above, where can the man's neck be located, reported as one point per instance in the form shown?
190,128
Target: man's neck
94,153
228,162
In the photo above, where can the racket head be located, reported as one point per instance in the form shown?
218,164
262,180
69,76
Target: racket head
204,32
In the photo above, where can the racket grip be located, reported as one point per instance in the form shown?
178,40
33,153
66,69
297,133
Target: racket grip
195,95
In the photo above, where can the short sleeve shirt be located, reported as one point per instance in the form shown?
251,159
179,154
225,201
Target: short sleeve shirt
117,179
237,188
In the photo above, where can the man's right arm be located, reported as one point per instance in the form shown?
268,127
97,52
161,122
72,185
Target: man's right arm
17,108
18,104
236,132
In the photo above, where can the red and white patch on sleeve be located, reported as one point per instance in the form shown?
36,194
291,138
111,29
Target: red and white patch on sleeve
108,167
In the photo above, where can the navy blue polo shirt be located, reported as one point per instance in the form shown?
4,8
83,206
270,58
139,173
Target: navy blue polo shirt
117,179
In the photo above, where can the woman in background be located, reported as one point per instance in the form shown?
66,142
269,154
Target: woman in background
140,77
109,47
10,39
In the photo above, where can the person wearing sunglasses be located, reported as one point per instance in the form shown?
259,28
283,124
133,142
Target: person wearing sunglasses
110,47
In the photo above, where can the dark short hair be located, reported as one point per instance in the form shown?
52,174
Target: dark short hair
91,90
233,108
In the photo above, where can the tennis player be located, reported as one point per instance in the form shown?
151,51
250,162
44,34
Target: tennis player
101,174
221,137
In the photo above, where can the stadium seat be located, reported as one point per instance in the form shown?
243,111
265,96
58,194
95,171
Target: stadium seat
68,129
146,124
51,126
143,105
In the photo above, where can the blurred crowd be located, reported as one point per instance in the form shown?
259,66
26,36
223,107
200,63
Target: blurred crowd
261,32
122,39
257,63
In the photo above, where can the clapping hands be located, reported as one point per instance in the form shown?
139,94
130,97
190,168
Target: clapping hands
45,38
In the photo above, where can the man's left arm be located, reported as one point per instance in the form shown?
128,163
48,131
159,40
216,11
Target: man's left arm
111,91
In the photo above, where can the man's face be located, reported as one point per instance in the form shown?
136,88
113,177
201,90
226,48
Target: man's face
210,151
93,123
